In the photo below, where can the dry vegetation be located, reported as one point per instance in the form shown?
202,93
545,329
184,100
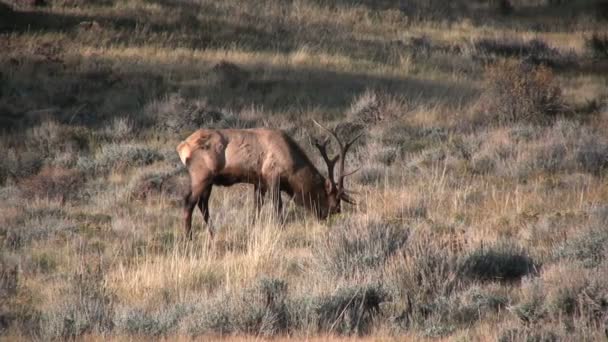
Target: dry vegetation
483,186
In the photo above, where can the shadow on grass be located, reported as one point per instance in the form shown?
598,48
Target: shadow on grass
48,88
43,83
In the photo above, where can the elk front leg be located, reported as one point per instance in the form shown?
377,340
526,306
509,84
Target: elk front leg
259,192
190,201
203,206
276,200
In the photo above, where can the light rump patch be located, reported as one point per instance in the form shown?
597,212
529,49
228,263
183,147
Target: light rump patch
184,150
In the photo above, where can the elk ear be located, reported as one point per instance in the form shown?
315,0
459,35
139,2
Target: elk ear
184,151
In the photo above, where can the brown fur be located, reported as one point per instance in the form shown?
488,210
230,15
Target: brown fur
266,158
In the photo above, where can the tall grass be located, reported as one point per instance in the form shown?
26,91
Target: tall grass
480,195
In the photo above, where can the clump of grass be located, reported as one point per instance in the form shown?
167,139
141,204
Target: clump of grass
17,164
120,129
348,130
423,275
503,261
564,146
17,304
160,323
176,114
564,290
446,314
517,92
259,310
530,335
592,153
532,307
36,226
49,137
44,262
113,157
366,109
369,175
229,75
54,183
563,284
351,309
386,156
589,246
89,308
149,183
352,247
403,138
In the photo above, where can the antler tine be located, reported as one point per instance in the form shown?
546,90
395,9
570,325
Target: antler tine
344,149
352,172
330,132
331,162
350,143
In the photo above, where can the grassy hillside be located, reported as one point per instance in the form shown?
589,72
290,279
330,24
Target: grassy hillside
482,188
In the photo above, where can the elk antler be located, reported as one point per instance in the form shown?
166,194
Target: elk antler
343,149
331,162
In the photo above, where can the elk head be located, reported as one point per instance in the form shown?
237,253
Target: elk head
335,191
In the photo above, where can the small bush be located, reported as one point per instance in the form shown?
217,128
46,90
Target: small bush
592,154
53,182
258,310
530,335
160,323
351,247
149,183
598,45
483,300
565,146
120,129
422,277
589,246
349,310
89,308
119,156
373,107
575,291
366,109
9,279
503,261
36,225
176,114
348,130
446,314
20,164
386,156
370,175
50,137
531,308
519,92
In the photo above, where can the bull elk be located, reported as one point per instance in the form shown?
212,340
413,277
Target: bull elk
266,158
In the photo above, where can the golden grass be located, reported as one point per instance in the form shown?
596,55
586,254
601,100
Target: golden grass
315,59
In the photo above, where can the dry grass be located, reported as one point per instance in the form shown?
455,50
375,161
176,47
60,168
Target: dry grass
482,189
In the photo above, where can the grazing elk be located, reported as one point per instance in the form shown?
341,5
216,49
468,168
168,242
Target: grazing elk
266,158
